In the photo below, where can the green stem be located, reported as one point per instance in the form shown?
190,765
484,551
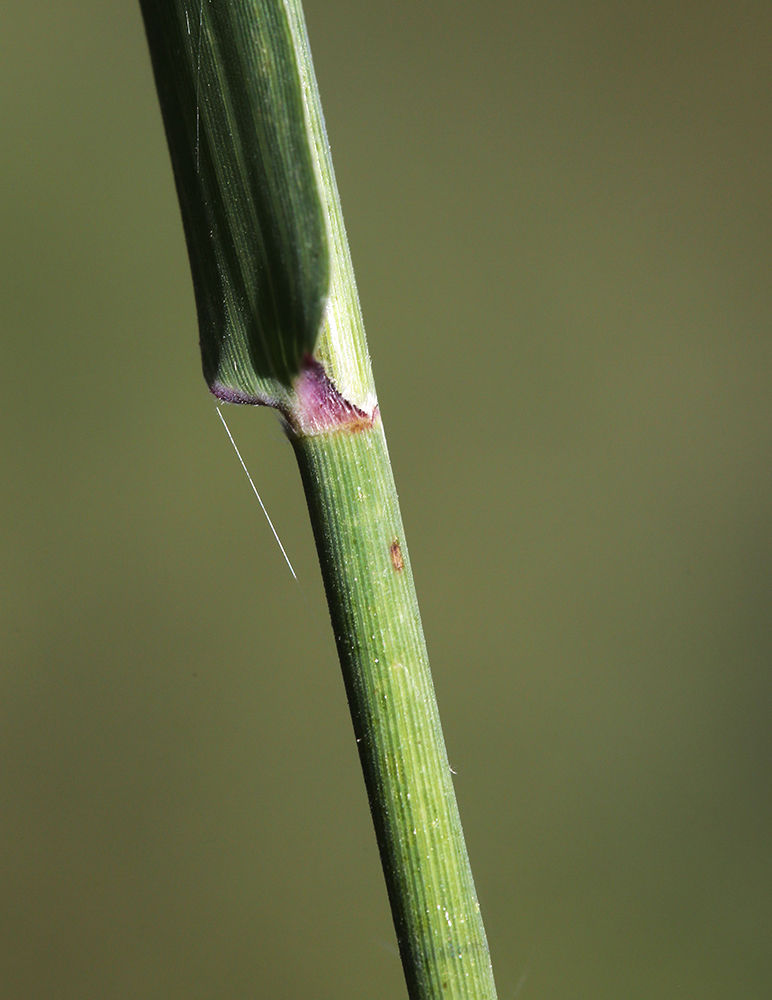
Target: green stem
355,514
280,324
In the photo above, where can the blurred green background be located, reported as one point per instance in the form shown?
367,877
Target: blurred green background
578,193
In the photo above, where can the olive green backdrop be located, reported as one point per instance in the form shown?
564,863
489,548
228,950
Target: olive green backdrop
560,220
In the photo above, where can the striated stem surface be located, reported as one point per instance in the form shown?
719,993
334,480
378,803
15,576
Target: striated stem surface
357,524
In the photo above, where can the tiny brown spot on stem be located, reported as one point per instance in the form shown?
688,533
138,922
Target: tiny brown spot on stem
395,552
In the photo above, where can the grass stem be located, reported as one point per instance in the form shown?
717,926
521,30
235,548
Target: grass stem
280,325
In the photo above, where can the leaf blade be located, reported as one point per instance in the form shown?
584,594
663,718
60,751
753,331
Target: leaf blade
255,226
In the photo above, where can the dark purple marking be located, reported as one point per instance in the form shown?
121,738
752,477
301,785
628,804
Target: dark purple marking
318,406
228,395
314,406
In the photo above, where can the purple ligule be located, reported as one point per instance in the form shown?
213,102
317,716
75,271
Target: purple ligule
312,406
320,407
